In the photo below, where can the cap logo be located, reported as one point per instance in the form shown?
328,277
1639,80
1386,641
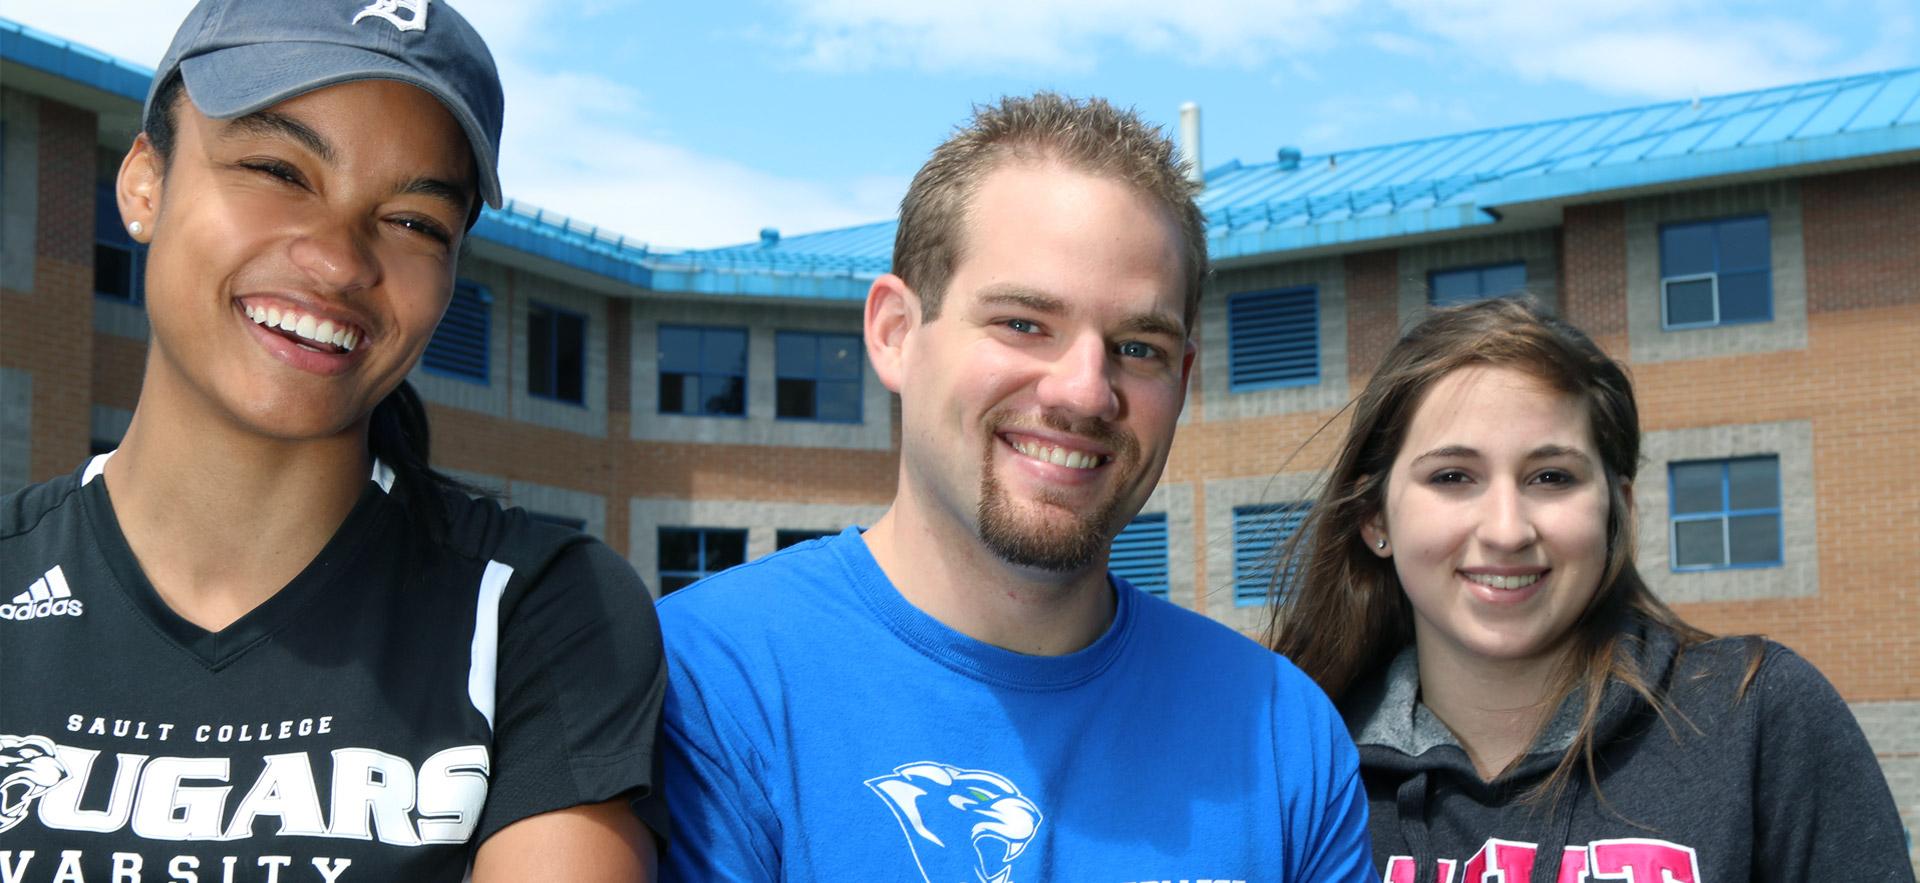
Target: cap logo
407,15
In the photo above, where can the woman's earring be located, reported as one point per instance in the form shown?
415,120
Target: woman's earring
136,228
1380,544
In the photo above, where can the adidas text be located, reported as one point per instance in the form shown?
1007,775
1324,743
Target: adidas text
41,609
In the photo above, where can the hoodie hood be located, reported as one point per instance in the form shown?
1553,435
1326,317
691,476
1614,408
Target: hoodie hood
1404,746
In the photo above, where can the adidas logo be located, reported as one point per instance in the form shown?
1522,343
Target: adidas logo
48,596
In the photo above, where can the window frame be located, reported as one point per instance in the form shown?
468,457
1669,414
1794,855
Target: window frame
1311,294
662,573
859,378
109,234
484,296
746,368
1713,275
1480,271
553,357
1725,514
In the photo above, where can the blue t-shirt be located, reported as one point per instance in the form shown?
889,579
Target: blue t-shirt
820,727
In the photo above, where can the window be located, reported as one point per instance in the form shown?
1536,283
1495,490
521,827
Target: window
1140,554
1258,532
119,263
1716,273
1273,339
556,354
1468,284
785,538
817,376
562,520
703,371
459,344
689,554
1726,513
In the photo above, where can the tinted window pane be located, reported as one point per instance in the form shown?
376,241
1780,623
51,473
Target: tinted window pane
1686,250
724,352
540,352
674,583
679,549
1696,487
676,390
725,548
1746,297
1690,303
794,355
1754,483
785,538
680,350
1455,286
794,398
113,272
1744,245
1754,539
723,395
570,358
1697,543
839,400
839,357
1506,279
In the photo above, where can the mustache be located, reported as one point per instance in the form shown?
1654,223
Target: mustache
1124,445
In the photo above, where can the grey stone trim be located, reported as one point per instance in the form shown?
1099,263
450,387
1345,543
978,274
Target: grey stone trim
1176,502
1328,276
761,520
120,319
16,429
20,201
589,418
874,432
1536,248
550,500
1893,729
1799,505
1780,201
108,423
1223,496
495,396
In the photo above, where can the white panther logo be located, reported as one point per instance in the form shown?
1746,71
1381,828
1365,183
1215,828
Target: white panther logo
29,767
964,826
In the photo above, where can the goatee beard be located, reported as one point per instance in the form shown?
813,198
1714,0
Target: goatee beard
1070,540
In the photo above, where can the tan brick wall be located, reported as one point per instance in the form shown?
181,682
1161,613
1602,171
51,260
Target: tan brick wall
1593,272
1373,312
1860,230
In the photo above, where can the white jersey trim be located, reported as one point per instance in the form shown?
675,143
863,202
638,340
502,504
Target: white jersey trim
96,466
484,660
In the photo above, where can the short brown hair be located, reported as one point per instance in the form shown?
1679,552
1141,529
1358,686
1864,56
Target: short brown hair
1088,134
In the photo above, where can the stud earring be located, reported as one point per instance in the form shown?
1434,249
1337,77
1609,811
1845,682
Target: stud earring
1380,544
136,228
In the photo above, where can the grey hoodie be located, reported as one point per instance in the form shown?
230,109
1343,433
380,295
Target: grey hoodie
1777,785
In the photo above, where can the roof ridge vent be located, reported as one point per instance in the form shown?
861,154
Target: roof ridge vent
1288,158
769,237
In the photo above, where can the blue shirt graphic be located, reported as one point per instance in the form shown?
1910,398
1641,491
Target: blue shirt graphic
820,727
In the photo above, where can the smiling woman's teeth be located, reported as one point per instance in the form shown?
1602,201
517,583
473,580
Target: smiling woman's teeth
1504,582
1058,456
316,330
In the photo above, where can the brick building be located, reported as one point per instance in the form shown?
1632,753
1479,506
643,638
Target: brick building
1751,257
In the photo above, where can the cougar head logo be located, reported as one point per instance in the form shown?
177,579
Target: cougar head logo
29,766
964,826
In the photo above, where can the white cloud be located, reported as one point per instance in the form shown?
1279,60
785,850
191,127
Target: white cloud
1053,34
574,141
1638,48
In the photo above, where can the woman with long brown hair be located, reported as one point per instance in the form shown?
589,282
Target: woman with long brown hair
1465,590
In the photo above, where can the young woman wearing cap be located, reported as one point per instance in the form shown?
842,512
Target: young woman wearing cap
291,650
1525,707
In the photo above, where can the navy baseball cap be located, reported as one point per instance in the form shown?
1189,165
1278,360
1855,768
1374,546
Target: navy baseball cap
242,56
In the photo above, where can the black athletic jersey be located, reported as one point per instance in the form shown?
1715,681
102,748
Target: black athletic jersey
375,720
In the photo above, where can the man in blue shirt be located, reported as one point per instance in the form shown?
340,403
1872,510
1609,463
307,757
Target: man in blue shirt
961,693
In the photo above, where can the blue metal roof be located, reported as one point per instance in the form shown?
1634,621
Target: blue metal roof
1451,182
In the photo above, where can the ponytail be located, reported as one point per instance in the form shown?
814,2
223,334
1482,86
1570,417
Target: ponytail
398,436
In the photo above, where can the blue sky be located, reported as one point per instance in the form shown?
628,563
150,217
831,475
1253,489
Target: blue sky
694,124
